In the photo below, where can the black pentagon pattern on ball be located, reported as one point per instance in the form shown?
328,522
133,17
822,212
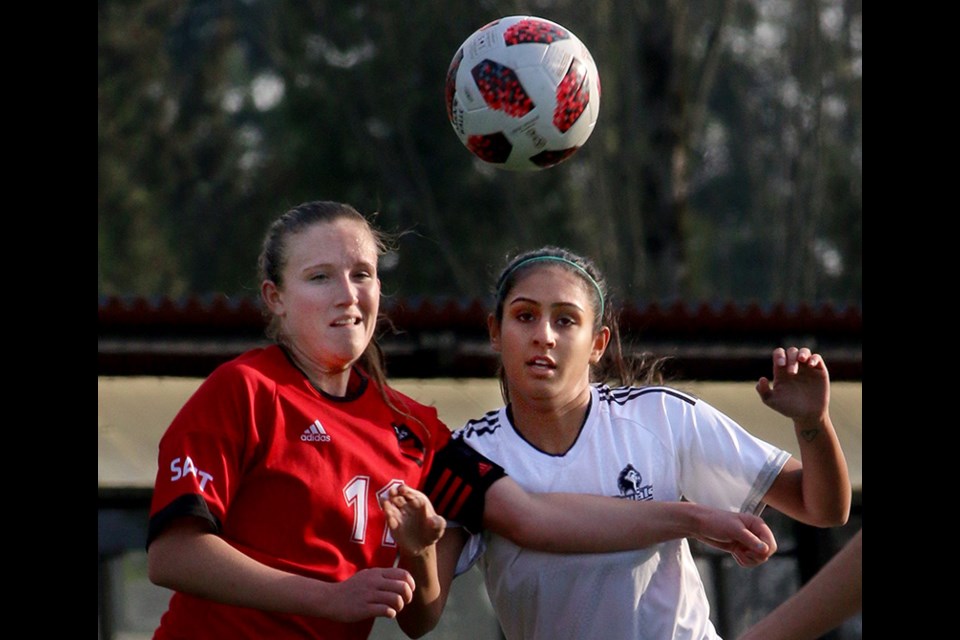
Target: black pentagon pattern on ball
493,147
533,30
549,158
573,96
451,87
501,89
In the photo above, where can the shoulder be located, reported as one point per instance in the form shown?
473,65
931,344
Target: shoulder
260,361
251,369
620,399
407,404
487,425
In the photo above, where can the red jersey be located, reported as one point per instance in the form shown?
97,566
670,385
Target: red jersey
291,477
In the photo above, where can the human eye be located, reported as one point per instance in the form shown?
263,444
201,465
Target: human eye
363,275
523,315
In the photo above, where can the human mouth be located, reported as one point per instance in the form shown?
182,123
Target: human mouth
542,363
346,322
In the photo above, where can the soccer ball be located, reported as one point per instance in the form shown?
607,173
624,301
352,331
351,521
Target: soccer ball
523,93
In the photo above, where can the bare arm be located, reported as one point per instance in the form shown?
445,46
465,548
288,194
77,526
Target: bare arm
815,489
186,557
580,523
822,604
558,523
428,551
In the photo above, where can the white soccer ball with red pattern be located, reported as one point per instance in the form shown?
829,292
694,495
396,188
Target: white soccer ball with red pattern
523,93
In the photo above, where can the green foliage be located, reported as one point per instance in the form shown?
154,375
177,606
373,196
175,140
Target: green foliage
726,164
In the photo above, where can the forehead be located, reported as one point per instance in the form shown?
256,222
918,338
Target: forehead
335,241
551,284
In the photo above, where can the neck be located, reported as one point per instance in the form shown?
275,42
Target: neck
550,426
335,382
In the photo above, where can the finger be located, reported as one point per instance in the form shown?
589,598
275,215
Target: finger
792,353
392,515
749,541
409,492
388,604
723,545
763,388
399,581
779,357
763,533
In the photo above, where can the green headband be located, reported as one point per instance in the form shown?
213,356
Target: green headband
503,278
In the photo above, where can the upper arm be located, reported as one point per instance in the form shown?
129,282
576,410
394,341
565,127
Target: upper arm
459,483
174,547
510,511
786,493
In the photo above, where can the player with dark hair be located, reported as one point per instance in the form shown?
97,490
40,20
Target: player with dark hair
266,517
564,428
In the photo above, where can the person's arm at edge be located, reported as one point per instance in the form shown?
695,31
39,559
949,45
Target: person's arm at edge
832,596
187,557
816,489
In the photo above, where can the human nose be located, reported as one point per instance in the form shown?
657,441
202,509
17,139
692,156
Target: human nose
347,293
545,334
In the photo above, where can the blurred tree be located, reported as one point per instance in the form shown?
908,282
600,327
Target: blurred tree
726,164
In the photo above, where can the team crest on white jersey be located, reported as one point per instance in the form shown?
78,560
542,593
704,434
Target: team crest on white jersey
630,484
315,433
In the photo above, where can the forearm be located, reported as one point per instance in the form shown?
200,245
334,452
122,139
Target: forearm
433,574
578,523
825,485
423,612
205,565
829,598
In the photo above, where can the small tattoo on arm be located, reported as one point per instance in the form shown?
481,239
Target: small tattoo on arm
809,434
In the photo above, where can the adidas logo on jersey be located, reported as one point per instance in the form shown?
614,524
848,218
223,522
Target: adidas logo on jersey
315,433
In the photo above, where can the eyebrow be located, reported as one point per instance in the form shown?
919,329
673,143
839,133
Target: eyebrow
333,265
537,302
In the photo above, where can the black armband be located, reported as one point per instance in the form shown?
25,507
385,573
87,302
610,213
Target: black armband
458,481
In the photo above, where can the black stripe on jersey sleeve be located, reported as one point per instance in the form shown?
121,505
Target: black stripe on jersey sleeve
458,481
622,395
489,423
186,505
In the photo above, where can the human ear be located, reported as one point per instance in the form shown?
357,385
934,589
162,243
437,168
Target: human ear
600,342
494,328
272,297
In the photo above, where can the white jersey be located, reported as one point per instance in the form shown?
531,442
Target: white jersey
650,443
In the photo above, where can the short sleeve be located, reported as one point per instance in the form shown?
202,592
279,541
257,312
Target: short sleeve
201,454
721,464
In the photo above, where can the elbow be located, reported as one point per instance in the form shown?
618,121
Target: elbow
156,571
416,628
529,536
840,518
161,571
836,516
417,631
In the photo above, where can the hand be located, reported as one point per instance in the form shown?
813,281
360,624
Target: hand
380,592
412,520
801,385
746,537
